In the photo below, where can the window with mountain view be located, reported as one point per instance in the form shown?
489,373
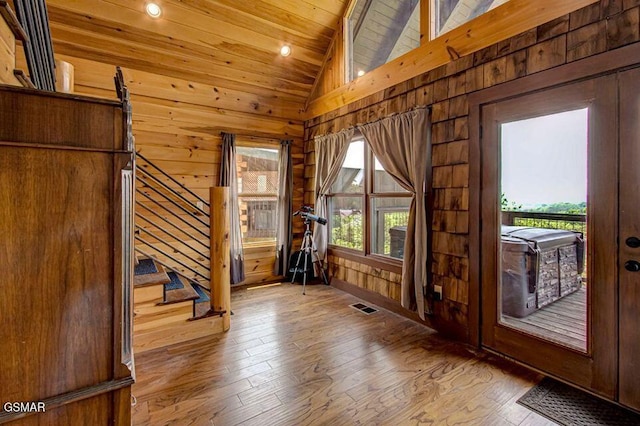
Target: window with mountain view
543,224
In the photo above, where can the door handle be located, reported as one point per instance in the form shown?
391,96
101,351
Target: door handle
633,242
632,265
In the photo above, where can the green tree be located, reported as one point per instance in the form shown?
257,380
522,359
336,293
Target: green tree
509,205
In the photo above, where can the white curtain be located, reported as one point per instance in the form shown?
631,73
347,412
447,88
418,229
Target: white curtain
402,145
284,209
331,151
229,177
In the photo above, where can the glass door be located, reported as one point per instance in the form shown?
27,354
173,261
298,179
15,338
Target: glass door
549,194
543,224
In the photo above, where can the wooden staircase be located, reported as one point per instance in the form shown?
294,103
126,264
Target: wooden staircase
173,276
165,299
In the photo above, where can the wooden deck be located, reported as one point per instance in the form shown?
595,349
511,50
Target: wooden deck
300,360
563,322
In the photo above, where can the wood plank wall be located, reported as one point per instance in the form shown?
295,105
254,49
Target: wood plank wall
597,28
7,54
507,20
332,74
177,125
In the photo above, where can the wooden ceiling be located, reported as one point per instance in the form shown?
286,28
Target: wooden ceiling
383,31
233,44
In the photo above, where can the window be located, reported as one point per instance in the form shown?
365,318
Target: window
347,204
449,14
380,31
543,196
366,200
257,193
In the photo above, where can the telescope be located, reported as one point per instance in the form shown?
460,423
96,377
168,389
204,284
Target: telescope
308,250
305,212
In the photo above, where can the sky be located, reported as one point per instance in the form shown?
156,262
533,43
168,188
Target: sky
355,157
544,159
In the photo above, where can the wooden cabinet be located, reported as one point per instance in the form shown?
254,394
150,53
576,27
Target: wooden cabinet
65,261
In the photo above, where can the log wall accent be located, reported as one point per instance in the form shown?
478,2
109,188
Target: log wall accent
378,280
220,256
597,28
177,125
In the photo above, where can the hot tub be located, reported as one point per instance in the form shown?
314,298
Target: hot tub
539,266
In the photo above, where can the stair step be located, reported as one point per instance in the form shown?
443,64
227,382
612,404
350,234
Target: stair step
178,289
202,303
149,273
180,332
203,294
202,309
151,309
146,266
149,315
156,278
147,294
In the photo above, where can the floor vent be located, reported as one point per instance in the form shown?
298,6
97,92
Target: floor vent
368,310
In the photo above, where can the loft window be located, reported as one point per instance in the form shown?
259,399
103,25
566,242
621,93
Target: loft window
257,193
366,200
380,31
449,14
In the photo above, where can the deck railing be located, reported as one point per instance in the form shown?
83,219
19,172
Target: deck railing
386,219
570,222
347,230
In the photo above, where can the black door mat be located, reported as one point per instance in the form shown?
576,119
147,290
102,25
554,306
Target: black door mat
569,406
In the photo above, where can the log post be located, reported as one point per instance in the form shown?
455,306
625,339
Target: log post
65,80
220,254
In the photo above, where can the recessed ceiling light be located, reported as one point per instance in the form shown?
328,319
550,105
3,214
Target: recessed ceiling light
360,73
285,50
153,10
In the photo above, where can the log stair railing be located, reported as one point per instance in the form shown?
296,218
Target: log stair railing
174,248
172,223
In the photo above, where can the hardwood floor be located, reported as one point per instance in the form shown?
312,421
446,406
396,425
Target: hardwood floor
301,360
564,321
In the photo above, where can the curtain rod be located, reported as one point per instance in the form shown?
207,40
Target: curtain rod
355,126
264,138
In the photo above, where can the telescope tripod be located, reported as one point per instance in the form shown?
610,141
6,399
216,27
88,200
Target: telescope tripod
309,250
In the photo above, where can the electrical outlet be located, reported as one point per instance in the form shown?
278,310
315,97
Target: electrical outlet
200,205
437,292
